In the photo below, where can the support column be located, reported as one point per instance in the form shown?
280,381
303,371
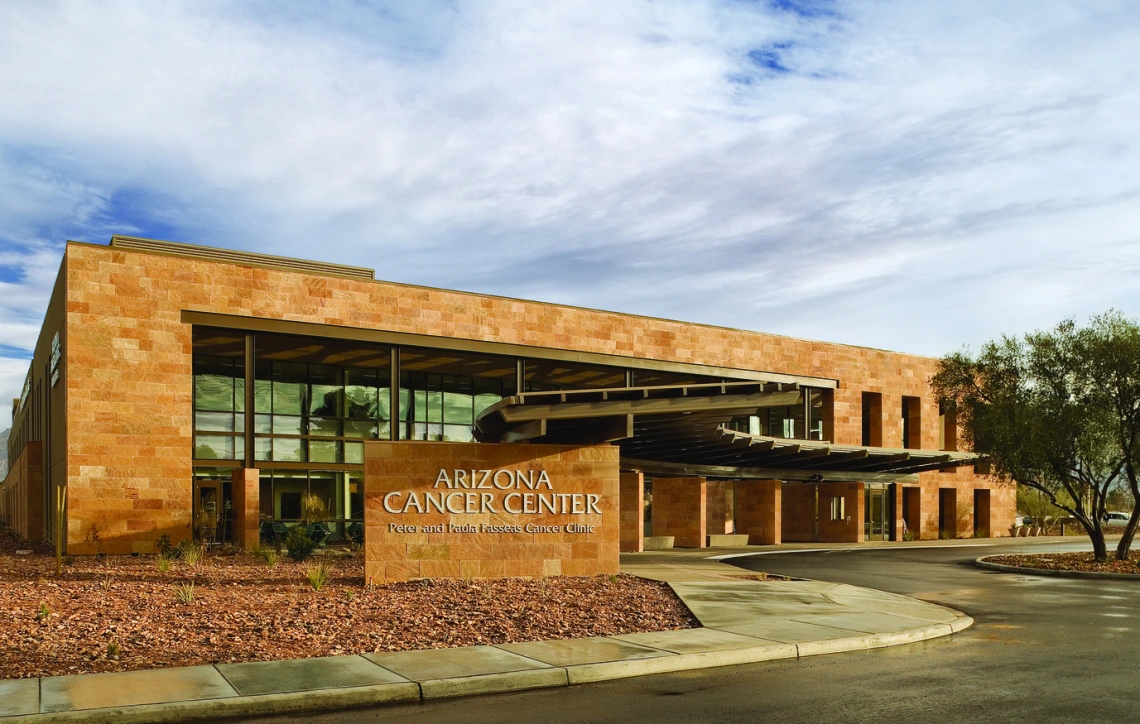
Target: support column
246,493
759,513
716,508
631,517
679,510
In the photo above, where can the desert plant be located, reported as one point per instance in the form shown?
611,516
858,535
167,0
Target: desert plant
909,535
165,548
318,575
351,594
945,535
268,555
43,613
192,553
299,544
313,508
982,532
163,563
184,592
613,578
113,650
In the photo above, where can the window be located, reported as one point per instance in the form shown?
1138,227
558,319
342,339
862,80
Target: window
911,422
872,419
316,400
442,392
947,427
802,421
219,395
837,509
542,375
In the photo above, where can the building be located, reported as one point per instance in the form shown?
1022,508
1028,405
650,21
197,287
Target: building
173,385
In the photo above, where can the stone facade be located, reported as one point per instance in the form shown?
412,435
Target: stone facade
679,510
398,548
22,494
129,385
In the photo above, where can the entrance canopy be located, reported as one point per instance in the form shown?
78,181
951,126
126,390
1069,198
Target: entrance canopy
690,430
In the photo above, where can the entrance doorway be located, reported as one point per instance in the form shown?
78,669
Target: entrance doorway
207,510
212,512
876,514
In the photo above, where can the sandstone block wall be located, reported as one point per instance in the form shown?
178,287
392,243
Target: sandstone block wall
758,511
418,551
632,504
679,510
22,494
129,384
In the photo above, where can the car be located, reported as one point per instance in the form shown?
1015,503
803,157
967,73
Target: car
1115,518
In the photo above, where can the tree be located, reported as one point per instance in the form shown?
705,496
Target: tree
1059,412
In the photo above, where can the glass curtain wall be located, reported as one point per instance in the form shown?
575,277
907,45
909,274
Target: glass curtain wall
219,395
316,400
546,375
801,421
441,392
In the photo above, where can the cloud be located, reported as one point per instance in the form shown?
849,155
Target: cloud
905,175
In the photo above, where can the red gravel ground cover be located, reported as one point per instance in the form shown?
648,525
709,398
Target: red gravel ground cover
118,613
1071,562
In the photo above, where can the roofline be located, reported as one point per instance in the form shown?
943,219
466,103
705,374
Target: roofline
282,263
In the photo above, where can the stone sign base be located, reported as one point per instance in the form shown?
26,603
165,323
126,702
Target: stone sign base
484,510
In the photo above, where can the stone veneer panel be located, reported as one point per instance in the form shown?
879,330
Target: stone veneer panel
632,504
679,510
758,511
406,466
129,384
246,491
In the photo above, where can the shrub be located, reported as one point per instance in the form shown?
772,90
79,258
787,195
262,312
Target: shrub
318,575
299,544
163,563
113,650
982,532
945,534
184,592
909,535
44,612
165,549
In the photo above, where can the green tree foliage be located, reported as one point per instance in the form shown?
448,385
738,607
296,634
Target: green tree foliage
1057,411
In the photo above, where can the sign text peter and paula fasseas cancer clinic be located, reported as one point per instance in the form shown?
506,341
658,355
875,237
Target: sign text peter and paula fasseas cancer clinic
517,492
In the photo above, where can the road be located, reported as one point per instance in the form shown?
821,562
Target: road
1041,650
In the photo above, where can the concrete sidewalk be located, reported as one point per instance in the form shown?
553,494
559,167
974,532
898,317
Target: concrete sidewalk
743,621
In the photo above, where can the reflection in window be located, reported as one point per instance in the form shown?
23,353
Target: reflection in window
441,393
314,395
219,401
545,375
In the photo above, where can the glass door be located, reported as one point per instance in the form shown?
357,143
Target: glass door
875,514
207,510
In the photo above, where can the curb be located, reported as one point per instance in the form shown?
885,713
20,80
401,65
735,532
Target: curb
329,699
1049,572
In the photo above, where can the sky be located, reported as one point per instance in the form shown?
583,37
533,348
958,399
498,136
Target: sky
914,176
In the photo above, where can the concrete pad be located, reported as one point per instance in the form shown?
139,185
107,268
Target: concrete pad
131,688
694,640
571,652
330,672
586,673
19,696
789,632
726,605
866,622
453,663
922,612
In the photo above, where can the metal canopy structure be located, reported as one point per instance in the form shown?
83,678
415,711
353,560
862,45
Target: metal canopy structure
684,430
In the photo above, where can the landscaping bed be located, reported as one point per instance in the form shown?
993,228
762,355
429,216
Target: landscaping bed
1076,562
118,613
